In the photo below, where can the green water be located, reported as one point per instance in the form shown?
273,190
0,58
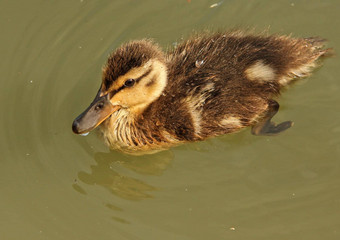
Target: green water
57,185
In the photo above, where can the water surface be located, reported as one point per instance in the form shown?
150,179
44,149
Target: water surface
57,185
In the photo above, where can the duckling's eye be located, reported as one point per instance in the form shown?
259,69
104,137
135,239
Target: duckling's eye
129,83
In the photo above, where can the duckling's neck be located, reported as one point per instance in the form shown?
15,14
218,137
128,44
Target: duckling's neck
118,130
126,131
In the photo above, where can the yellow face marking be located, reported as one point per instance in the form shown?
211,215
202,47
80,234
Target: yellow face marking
260,71
141,94
132,74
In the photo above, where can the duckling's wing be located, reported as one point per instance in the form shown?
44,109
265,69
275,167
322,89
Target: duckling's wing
227,80
265,59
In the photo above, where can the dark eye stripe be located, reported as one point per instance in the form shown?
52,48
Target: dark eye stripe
152,81
144,75
136,80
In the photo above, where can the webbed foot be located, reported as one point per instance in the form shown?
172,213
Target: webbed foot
268,128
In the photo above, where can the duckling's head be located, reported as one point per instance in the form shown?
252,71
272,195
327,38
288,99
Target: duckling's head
134,76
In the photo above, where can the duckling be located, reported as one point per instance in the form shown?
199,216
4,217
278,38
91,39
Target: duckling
208,85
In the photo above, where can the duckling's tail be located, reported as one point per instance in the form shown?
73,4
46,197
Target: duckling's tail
304,56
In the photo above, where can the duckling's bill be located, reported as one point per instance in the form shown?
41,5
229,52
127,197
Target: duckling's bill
100,109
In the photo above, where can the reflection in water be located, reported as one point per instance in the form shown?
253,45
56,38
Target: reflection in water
106,173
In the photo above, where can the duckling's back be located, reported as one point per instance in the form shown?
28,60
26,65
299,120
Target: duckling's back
226,81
